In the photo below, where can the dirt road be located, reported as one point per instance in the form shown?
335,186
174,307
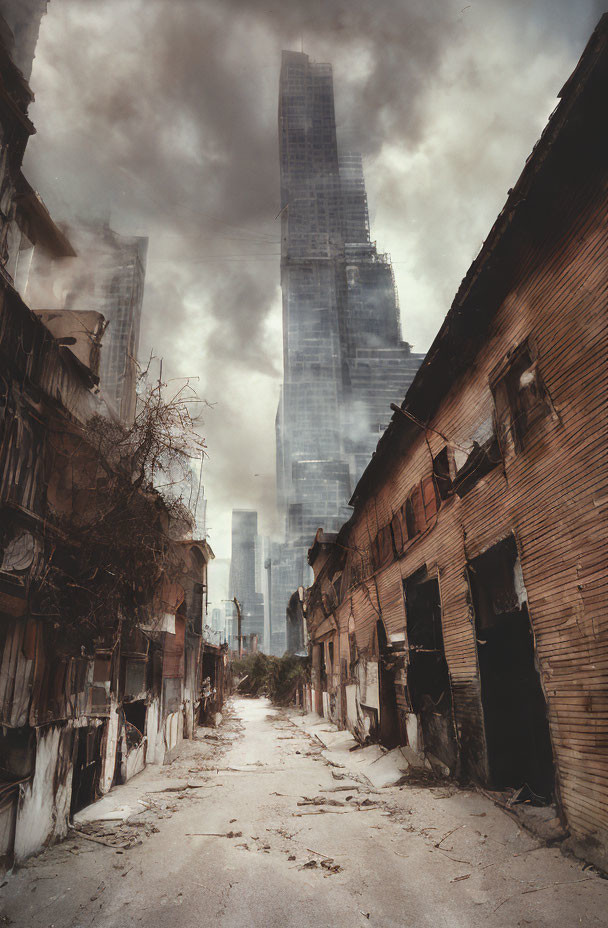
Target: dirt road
251,827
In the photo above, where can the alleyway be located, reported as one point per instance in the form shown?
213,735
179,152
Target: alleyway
221,838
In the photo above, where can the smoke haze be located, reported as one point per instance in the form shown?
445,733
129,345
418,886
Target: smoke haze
161,115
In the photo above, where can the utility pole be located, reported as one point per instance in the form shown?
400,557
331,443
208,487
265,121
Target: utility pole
268,566
239,621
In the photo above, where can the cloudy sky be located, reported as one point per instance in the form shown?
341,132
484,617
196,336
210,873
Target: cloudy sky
162,115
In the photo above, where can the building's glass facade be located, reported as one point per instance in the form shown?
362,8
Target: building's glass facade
344,357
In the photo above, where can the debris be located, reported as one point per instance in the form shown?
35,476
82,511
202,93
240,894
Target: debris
319,801
447,835
100,840
309,865
318,853
359,808
178,789
97,894
458,878
537,889
328,864
214,834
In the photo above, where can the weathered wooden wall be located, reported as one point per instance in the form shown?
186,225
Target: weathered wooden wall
551,495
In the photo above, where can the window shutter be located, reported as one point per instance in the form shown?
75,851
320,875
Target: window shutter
429,496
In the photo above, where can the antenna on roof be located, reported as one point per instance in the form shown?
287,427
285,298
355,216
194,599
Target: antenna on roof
302,43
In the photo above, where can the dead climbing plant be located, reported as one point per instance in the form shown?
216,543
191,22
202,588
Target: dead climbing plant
107,552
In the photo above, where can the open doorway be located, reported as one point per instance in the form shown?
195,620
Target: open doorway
428,678
389,718
87,766
514,708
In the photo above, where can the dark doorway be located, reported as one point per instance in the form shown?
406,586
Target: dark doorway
87,766
515,713
428,678
389,718
135,714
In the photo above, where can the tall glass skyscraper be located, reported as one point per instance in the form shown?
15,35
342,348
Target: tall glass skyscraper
343,354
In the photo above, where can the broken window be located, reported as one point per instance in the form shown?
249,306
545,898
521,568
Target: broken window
135,714
520,398
483,457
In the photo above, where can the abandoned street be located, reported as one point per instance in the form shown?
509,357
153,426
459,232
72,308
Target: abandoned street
252,826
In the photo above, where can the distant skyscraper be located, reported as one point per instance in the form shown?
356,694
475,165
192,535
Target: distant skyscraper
343,355
243,580
115,288
107,276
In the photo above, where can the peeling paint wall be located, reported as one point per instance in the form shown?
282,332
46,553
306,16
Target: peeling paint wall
110,744
44,804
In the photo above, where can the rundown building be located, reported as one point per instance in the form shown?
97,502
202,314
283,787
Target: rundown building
462,609
90,689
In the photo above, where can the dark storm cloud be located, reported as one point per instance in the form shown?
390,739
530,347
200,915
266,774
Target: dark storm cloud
162,114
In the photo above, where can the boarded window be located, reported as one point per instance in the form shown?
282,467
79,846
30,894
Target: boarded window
172,694
382,548
430,498
399,530
135,679
173,651
415,518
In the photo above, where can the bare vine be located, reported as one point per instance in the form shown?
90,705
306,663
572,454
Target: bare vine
110,549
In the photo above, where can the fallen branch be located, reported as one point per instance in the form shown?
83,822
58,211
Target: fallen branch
538,889
178,789
448,834
337,811
82,834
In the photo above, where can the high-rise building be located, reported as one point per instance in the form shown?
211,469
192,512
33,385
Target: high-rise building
243,581
106,275
118,288
343,354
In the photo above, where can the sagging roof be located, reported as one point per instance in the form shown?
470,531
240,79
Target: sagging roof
464,327
80,331
41,229
322,541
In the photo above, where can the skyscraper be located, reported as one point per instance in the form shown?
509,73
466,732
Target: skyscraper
343,354
108,276
244,578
